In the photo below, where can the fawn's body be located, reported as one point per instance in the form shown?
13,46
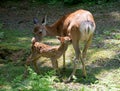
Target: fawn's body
52,52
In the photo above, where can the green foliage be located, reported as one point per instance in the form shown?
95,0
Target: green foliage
66,2
117,36
107,33
15,39
34,82
44,1
1,35
1,25
52,1
113,33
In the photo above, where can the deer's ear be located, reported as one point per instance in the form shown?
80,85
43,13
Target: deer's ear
44,21
35,21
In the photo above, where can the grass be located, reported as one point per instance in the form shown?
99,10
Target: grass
102,64
103,67
15,39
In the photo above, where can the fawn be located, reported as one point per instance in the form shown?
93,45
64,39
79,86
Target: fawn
52,52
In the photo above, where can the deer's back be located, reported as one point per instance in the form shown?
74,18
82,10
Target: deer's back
44,50
73,21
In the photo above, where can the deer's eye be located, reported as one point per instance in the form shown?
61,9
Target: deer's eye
40,32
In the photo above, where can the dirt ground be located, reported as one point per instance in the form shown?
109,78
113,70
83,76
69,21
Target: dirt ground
20,16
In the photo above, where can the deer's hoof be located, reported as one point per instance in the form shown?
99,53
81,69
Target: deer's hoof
71,78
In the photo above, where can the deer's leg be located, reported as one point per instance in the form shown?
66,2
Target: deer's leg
83,67
76,59
75,41
62,34
87,44
64,61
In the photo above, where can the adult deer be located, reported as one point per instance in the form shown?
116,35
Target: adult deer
79,25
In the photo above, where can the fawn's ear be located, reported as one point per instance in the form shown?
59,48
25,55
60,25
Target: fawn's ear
61,39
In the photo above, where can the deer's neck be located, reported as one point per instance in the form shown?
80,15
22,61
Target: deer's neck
57,28
63,47
51,30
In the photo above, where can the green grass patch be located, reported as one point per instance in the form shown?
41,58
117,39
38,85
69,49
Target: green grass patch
34,82
15,39
102,65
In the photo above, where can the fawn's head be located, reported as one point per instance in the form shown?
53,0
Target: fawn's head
39,29
65,39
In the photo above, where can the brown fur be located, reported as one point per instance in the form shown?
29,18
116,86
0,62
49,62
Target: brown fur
52,52
79,25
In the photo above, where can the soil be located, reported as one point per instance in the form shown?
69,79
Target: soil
21,17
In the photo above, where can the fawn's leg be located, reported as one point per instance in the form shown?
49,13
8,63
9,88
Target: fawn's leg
34,59
35,65
55,65
64,61
28,61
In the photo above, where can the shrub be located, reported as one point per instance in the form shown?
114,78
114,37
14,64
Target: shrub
34,82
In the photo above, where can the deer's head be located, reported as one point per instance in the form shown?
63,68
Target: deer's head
39,29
